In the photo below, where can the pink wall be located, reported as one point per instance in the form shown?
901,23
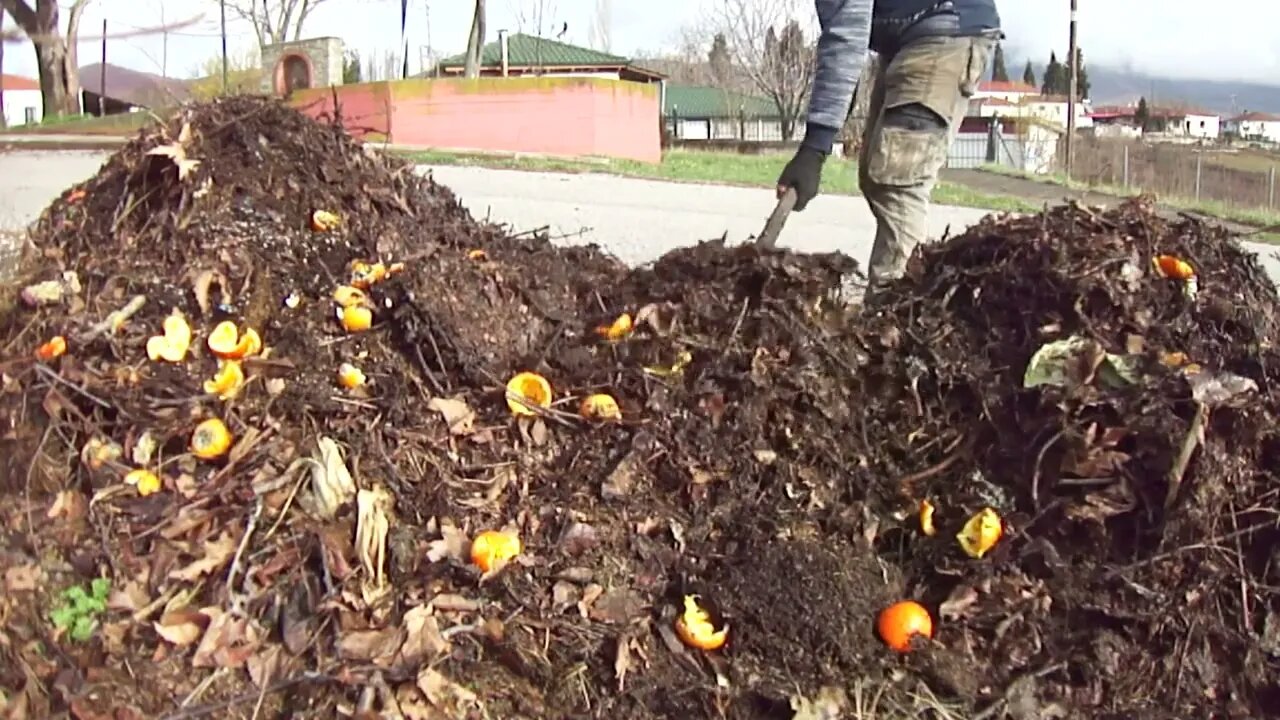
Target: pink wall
569,116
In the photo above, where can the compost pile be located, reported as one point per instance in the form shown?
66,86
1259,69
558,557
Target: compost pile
226,495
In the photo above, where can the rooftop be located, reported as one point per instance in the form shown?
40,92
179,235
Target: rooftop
532,52
17,82
691,101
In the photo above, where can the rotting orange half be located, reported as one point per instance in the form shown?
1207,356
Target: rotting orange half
492,548
227,343
356,318
695,628
618,329
902,621
56,347
600,407
527,390
211,439
228,380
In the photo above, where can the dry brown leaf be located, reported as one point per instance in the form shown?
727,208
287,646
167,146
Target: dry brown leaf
202,285
264,666
229,641
181,627
456,413
216,554
445,694
622,661
68,505
423,641
23,578
589,596
377,646
449,602
959,603
131,598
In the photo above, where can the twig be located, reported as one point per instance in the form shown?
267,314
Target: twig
737,325
1189,445
113,320
1035,476
235,562
44,370
958,448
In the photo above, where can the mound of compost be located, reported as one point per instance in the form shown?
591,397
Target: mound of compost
773,455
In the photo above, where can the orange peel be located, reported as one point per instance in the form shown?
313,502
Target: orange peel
980,533
477,255
227,342
350,376
356,318
55,348
211,439
600,406
1173,267
618,329
145,481
226,383
173,345
926,518
695,628
364,275
527,390
492,549
347,296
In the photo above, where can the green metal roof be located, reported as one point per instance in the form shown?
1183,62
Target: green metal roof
689,101
531,51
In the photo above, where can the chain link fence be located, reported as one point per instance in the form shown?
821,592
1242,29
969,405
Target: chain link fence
1171,170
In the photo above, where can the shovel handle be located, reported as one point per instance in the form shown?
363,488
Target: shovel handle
769,236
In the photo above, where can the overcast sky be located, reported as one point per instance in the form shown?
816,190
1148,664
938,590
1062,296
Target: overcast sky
1222,39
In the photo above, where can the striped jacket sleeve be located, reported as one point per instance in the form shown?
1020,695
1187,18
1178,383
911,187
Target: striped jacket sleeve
841,54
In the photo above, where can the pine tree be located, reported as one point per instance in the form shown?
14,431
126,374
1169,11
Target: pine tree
1143,114
1029,75
999,73
1053,76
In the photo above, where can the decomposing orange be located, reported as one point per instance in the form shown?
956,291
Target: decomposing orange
1174,267
172,346
696,629
600,407
356,318
324,221
528,390
494,547
228,380
56,347
228,343
350,376
902,621
211,439
618,329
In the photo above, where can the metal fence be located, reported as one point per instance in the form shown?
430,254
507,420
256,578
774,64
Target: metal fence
1191,172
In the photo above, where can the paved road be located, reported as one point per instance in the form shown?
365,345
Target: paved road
637,220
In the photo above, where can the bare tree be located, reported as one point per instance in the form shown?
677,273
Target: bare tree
768,43
56,60
275,21
475,41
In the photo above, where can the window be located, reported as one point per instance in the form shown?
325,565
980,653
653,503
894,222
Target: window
29,115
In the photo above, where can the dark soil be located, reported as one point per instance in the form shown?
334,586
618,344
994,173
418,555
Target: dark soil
775,447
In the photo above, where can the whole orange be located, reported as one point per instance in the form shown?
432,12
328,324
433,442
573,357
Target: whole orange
901,621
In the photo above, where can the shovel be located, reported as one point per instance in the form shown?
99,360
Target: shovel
769,236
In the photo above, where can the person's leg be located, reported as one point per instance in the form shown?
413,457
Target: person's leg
925,95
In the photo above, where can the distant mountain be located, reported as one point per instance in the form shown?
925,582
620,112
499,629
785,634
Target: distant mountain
1111,85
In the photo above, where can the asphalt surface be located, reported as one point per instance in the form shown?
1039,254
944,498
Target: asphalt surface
636,220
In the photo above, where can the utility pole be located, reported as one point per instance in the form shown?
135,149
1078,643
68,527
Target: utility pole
223,8
1071,94
102,95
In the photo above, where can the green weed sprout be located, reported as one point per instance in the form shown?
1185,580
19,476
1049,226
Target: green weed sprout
78,614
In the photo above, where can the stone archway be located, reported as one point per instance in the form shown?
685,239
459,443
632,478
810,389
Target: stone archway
293,72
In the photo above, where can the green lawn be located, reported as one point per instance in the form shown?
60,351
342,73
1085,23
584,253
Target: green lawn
724,168
123,125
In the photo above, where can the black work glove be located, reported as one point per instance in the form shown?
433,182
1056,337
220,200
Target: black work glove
803,173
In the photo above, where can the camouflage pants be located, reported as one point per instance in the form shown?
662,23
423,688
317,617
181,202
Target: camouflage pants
919,97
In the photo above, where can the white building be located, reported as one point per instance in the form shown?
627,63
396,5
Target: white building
1010,92
1191,123
1255,126
1050,109
23,104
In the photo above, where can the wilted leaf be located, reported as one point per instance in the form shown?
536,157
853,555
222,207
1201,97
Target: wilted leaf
331,481
1067,363
1216,389
373,522
456,413
1116,499
181,627
563,596
958,603
376,646
69,505
228,642
423,641
578,538
130,598
216,554
203,283
264,666
620,481
144,449
618,606
451,602
447,695
622,661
